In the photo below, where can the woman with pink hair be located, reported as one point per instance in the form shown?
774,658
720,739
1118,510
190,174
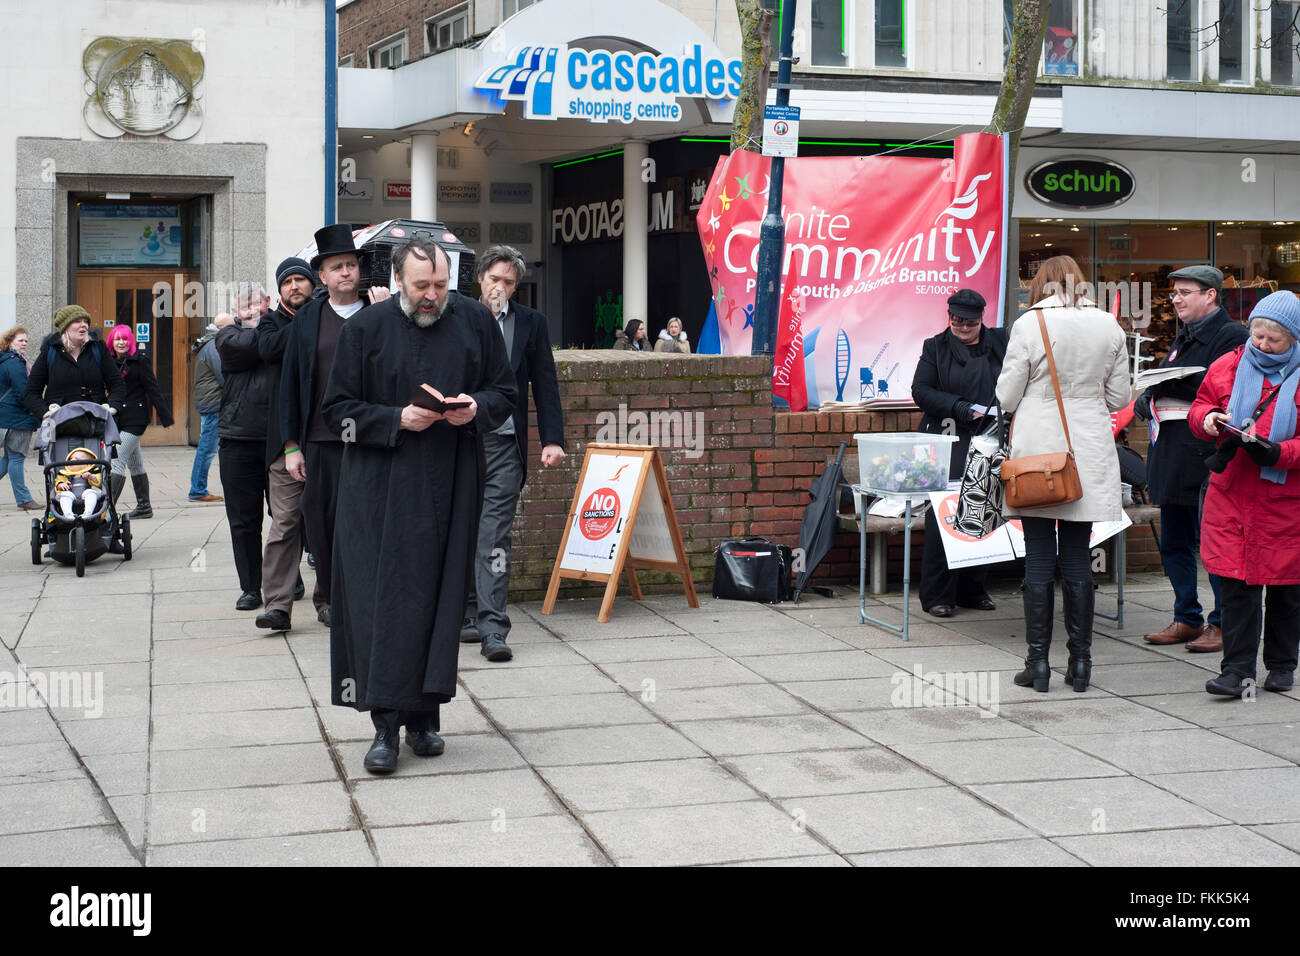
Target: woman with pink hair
143,396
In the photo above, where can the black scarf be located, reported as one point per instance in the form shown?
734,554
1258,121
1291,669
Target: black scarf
974,378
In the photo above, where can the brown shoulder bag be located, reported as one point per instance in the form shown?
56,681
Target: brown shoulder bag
1040,481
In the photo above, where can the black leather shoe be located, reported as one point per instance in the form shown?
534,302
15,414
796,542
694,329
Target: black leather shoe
381,758
424,743
469,632
940,610
985,604
274,620
1225,685
323,615
1279,681
311,560
249,601
495,649
299,589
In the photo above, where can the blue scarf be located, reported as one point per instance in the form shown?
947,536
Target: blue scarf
1255,368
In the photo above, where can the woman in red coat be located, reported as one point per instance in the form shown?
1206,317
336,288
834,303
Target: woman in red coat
1250,528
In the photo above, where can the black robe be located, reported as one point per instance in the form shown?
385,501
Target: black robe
409,502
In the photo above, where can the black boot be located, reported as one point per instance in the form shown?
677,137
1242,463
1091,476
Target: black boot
382,756
140,485
1040,601
1079,597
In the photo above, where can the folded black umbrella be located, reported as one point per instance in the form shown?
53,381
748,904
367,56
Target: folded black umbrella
817,532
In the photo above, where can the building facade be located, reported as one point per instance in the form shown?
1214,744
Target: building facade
159,154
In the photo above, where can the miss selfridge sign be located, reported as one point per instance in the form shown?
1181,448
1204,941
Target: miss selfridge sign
1080,183
602,86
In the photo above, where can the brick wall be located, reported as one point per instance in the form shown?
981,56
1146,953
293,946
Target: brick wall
364,23
751,475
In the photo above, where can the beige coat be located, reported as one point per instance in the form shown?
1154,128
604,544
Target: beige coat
1092,363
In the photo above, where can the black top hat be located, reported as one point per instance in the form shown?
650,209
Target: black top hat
335,240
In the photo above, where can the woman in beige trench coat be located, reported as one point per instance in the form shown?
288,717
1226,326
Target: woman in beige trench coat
1092,365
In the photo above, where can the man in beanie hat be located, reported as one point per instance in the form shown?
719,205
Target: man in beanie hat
1176,469
310,452
281,580
1250,529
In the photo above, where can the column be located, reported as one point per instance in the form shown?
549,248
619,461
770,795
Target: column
424,176
636,234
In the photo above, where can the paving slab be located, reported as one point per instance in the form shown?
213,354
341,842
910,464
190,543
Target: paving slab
610,650
895,819
751,735
549,653
80,847
1012,758
864,770
1282,740
1173,751
123,735
1079,715
819,665
1267,795
37,763
923,724
684,836
513,842
666,675
1286,834
238,813
29,725
659,783
498,795
1224,846
1206,710
463,754
866,693
119,775
976,657
600,745
569,710
232,767
743,700
1099,805
1036,853
249,728
53,805
783,639
537,681
227,696
340,848
201,670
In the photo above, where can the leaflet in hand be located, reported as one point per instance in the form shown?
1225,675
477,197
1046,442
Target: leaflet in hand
1154,376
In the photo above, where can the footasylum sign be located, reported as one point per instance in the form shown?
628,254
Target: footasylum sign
600,86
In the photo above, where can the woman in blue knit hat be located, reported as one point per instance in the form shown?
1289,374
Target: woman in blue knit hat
1250,529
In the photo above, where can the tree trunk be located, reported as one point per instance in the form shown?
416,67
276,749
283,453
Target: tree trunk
756,64
1017,90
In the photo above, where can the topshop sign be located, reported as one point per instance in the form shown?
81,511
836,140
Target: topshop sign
601,86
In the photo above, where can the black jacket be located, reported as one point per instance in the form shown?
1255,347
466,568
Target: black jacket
246,395
55,379
272,336
299,371
142,395
935,385
1176,461
531,361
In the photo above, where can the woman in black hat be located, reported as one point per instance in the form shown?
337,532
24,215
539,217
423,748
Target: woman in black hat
958,370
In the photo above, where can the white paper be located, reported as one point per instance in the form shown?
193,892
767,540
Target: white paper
1148,377
961,550
980,410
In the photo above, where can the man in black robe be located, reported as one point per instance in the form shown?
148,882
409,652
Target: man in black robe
410,492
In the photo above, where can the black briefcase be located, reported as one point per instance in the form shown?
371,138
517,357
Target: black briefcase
752,570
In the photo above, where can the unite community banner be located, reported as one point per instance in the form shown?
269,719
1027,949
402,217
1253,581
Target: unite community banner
874,245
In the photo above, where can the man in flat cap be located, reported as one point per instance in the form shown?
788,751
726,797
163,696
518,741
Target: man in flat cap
1176,469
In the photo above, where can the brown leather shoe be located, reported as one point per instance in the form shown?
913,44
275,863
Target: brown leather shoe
208,497
940,610
1175,633
1211,640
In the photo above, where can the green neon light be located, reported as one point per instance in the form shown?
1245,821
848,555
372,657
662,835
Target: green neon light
587,159
917,146
820,142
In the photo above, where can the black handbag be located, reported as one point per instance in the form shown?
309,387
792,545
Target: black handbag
754,569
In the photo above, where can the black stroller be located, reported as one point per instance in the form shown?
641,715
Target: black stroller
76,445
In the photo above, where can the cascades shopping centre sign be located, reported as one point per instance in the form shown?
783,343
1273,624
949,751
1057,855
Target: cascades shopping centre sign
602,86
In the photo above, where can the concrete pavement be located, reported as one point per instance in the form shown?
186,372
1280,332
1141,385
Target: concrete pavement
144,720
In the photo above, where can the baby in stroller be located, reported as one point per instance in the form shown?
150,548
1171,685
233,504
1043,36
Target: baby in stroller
79,489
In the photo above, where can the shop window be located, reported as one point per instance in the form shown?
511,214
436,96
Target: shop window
1232,33
446,31
1181,42
830,33
891,33
510,7
1284,43
389,53
1008,24
1256,258
1061,40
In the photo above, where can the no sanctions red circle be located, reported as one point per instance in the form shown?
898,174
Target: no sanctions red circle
599,514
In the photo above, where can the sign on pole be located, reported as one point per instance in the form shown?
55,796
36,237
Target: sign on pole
614,527
781,131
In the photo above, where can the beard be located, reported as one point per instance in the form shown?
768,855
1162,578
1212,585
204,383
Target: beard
411,309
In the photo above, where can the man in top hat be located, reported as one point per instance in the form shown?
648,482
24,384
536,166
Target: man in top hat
1176,471
313,451
281,581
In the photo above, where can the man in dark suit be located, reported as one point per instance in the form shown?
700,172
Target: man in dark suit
528,345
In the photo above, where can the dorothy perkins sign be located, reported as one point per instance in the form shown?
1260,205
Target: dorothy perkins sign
1080,183
599,85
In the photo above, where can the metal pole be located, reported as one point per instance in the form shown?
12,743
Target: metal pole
331,111
771,237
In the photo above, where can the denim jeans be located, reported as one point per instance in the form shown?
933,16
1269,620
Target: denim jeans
13,467
204,454
1180,534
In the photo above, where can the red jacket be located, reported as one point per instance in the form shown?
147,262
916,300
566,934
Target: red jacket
1250,527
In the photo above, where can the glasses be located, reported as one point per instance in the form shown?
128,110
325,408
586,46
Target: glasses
1184,293
968,323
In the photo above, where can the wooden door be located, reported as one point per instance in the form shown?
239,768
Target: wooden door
132,296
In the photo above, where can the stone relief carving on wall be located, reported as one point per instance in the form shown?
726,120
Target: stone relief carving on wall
143,86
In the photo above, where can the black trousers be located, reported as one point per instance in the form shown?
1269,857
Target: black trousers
1049,542
416,720
320,499
1241,626
940,585
243,479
